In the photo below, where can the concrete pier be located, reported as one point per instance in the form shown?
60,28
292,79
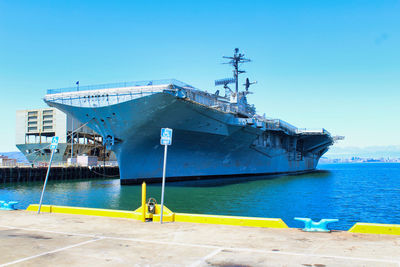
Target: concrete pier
52,239
33,174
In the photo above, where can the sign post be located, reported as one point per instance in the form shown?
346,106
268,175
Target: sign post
53,147
166,140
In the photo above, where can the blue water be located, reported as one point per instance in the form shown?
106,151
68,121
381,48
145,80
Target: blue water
349,192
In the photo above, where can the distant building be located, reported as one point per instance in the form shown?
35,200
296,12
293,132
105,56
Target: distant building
36,127
5,161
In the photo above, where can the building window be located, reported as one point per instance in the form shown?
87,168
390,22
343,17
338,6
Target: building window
45,117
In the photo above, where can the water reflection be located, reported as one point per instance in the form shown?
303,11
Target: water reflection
244,179
351,193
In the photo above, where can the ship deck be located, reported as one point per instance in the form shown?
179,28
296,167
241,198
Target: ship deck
115,93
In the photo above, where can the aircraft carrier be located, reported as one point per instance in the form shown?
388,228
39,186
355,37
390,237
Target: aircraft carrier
215,135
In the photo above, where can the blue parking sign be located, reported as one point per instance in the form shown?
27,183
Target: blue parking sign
166,136
54,142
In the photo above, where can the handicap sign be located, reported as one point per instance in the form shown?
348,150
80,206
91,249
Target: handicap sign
166,136
54,142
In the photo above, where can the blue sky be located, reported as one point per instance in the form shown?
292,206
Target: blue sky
332,64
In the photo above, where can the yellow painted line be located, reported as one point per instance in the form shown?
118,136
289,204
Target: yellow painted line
87,211
166,217
231,220
376,228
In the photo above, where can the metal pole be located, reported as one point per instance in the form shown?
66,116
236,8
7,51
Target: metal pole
104,160
163,182
45,181
144,202
72,138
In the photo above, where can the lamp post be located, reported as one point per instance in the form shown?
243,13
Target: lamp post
72,128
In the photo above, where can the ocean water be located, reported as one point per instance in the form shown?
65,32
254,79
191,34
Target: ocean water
348,192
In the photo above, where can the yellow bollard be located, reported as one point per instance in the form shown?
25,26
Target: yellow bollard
144,202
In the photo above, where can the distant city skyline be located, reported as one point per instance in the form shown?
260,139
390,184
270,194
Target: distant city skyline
376,152
318,64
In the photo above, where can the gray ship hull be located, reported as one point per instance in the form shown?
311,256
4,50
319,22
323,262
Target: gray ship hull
207,142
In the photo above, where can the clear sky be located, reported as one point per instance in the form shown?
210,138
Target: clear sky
332,64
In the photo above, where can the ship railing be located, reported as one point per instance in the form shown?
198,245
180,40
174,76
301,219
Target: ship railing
212,100
120,85
100,98
226,107
313,131
100,163
201,97
56,164
277,124
287,126
234,108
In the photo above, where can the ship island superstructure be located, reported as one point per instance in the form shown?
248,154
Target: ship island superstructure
215,135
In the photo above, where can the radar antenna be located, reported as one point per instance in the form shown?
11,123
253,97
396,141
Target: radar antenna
235,61
247,85
225,83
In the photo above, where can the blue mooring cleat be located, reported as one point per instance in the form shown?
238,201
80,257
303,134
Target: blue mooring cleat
8,206
311,226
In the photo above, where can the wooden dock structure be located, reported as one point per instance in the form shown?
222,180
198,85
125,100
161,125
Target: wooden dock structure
34,174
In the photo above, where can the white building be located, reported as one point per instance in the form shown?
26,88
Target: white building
5,161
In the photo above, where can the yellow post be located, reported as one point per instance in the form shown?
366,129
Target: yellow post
144,202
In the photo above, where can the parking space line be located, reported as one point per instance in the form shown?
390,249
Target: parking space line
317,255
202,260
50,252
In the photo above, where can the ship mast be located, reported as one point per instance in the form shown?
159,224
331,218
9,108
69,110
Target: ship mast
235,61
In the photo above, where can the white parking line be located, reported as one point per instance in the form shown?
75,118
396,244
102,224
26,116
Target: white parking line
217,248
316,255
202,260
50,252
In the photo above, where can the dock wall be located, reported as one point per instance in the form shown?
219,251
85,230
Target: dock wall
28,174
169,216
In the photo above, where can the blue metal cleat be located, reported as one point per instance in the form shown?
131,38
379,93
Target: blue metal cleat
311,226
8,206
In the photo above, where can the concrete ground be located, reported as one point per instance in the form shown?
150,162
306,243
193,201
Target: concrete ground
28,239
